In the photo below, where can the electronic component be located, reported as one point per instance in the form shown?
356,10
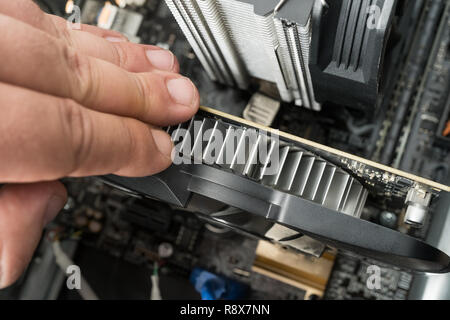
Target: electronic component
261,109
107,16
313,50
274,196
403,69
307,273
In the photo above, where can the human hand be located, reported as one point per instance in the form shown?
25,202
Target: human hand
75,103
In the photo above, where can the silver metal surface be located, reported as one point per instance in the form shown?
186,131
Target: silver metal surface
417,202
435,286
261,109
282,166
235,44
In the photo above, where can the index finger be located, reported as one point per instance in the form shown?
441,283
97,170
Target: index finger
44,63
55,138
96,42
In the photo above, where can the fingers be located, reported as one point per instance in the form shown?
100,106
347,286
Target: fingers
61,24
104,44
48,65
127,55
56,137
24,210
115,48
29,12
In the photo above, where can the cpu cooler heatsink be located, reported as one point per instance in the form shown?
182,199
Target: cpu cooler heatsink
312,50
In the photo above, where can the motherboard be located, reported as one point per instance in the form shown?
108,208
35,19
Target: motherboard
392,161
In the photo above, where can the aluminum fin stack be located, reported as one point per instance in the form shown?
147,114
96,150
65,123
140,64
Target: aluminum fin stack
237,40
284,166
312,50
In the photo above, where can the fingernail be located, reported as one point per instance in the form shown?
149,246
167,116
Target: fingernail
161,59
163,142
182,91
116,39
55,204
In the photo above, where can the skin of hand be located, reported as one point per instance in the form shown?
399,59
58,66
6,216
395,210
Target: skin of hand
75,103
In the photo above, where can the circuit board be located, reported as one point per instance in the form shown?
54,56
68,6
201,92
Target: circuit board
423,152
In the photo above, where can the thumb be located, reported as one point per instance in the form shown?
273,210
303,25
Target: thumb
24,211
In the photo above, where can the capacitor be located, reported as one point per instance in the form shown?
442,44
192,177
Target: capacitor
388,219
165,250
416,215
95,226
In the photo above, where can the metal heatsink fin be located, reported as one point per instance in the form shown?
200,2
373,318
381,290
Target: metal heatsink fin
284,167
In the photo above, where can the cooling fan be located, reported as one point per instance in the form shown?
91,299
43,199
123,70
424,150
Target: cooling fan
312,198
